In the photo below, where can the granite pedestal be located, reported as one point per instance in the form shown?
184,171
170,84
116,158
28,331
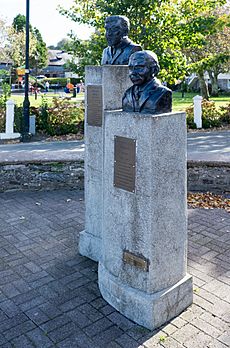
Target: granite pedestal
105,86
142,271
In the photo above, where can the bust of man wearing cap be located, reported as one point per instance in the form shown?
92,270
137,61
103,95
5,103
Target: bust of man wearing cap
120,46
147,95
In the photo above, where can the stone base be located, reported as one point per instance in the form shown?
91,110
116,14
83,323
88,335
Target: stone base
148,310
90,246
6,136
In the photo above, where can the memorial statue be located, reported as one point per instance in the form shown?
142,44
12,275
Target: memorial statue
147,95
120,46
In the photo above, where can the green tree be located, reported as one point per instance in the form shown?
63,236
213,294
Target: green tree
38,50
212,53
40,59
168,27
19,23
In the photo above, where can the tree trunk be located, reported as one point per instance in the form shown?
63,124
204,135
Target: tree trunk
214,82
203,86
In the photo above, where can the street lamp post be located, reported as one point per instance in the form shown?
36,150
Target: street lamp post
36,79
26,104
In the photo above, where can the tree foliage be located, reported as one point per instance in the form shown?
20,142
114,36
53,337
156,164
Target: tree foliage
170,28
38,50
12,44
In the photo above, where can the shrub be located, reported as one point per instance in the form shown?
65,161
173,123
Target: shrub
210,114
61,118
225,114
18,118
2,116
190,118
6,91
211,117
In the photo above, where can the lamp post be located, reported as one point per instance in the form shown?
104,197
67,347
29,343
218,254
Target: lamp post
26,104
36,79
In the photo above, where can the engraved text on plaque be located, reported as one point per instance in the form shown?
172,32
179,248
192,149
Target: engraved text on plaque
94,105
124,163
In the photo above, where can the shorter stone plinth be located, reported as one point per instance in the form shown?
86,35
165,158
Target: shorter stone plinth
142,271
148,310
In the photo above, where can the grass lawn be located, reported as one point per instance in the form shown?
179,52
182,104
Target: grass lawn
179,103
49,96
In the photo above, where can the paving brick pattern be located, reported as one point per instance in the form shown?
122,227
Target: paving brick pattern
49,295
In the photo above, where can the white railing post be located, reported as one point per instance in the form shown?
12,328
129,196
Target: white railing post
198,111
9,129
9,117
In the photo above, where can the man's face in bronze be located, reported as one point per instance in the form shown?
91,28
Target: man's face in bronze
139,72
114,33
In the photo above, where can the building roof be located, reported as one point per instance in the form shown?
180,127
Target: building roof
58,57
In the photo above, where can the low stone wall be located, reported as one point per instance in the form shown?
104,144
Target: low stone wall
41,176
202,176
209,176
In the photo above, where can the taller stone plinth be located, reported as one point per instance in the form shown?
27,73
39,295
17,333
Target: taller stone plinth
105,86
142,272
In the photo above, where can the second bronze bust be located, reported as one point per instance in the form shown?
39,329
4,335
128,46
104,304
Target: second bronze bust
120,46
147,95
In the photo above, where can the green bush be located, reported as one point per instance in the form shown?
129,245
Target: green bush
211,117
2,117
18,118
225,114
61,118
190,118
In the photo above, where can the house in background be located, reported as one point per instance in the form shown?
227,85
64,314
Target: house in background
56,66
223,82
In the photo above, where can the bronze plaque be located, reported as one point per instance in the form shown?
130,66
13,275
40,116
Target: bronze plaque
138,261
94,105
124,163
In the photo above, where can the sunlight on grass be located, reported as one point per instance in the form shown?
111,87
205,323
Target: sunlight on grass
49,96
180,104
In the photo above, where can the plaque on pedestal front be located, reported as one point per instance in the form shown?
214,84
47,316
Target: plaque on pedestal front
94,105
124,163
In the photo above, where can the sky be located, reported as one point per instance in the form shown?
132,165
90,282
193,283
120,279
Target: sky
45,17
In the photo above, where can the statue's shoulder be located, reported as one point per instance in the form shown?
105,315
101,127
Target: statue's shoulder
135,47
166,89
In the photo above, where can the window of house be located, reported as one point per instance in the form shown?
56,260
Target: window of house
228,84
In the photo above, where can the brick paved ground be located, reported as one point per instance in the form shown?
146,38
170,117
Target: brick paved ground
49,295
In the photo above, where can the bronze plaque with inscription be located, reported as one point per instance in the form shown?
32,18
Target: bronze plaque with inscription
94,105
138,261
124,163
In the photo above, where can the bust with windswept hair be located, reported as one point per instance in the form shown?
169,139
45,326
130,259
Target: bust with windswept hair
120,46
147,95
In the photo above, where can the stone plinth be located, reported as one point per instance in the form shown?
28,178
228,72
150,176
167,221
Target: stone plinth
113,81
142,272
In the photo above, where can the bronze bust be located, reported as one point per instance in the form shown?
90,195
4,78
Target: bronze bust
120,46
147,95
